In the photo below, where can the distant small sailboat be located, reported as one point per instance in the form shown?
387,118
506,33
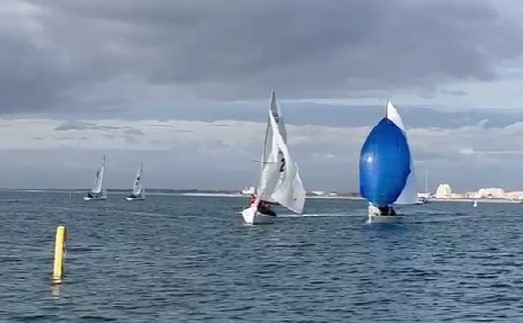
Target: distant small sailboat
425,199
97,192
475,203
279,182
387,175
138,192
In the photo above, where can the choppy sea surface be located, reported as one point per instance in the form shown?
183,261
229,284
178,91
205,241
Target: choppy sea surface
191,259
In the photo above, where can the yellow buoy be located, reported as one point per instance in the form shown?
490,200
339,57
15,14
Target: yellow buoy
59,254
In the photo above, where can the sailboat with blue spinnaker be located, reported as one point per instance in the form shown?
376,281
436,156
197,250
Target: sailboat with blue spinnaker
387,175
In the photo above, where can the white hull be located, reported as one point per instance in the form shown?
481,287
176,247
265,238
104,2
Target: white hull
252,216
94,198
385,218
135,198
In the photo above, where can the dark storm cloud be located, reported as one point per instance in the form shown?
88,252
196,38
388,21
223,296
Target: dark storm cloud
90,54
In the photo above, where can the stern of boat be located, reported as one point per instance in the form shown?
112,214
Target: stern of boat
252,216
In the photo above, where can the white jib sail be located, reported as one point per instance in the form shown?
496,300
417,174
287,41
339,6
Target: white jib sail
98,184
138,182
289,192
409,195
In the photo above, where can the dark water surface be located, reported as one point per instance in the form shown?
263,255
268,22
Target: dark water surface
190,259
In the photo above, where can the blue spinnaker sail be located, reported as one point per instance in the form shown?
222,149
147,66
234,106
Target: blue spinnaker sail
384,164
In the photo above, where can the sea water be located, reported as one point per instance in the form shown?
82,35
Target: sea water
191,259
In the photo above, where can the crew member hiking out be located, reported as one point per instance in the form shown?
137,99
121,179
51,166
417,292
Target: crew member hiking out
264,207
386,210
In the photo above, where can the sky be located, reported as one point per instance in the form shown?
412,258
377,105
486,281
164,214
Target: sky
183,86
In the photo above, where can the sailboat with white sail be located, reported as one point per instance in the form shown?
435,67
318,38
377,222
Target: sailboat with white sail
98,192
279,181
387,175
424,197
138,192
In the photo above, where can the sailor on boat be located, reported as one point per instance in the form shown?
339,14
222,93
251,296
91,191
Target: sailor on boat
264,207
381,210
94,196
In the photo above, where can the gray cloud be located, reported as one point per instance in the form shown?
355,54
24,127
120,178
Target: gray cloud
329,161
468,157
82,125
453,92
132,60
308,113
74,54
74,125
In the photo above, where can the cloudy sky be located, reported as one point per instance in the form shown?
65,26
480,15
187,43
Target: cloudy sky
183,86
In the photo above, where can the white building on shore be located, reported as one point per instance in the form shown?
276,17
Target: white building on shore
249,190
491,193
443,191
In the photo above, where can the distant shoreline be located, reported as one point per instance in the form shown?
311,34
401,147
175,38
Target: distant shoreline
181,192
226,193
471,200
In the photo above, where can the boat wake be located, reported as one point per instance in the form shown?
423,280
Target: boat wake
311,215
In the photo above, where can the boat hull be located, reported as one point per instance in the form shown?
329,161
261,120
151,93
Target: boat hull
252,216
86,198
135,198
385,219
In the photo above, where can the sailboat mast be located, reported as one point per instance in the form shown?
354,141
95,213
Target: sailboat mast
426,181
264,152
265,140
102,174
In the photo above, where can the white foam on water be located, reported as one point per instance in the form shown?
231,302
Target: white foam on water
307,215
211,194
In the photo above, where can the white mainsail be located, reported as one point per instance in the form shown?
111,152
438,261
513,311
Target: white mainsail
98,184
409,195
138,182
272,161
290,191
276,112
279,178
